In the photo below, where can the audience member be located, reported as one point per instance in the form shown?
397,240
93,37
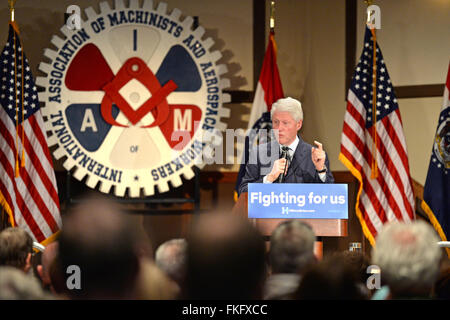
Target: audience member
57,279
98,238
43,269
154,284
333,278
359,263
171,258
442,285
291,252
226,259
17,285
16,247
409,258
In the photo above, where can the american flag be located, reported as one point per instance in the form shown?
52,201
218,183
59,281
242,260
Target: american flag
373,145
28,190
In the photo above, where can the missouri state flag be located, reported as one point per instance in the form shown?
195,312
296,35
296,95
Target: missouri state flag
436,194
268,90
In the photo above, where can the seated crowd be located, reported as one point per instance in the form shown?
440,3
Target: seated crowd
102,254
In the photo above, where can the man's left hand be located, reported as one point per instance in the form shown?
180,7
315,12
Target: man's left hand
318,156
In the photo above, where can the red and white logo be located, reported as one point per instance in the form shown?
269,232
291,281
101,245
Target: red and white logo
129,97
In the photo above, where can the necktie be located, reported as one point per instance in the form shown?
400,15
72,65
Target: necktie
285,153
287,150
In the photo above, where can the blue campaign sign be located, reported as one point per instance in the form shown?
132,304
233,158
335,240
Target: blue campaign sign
297,200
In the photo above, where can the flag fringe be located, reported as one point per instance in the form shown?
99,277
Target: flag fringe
8,210
435,223
357,175
235,196
50,239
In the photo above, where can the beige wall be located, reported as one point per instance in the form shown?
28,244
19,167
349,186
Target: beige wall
229,23
311,42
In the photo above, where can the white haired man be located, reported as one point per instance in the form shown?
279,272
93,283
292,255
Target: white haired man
304,163
171,257
409,259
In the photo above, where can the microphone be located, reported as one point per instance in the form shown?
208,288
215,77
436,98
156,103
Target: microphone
284,155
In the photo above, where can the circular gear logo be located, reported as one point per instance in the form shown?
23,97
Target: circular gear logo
129,96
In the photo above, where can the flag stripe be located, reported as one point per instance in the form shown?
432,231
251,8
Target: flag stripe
369,222
375,220
37,122
27,187
383,201
27,181
30,206
388,185
396,176
7,194
34,199
368,185
6,191
392,126
385,191
43,168
22,210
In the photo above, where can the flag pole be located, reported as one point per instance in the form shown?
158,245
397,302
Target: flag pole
272,26
11,4
374,165
272,16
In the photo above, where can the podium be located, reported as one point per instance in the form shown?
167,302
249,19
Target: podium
321,227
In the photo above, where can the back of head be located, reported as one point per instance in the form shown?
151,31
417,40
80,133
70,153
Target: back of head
99,239
17,285
47,257
171,258
15,246
358,261
408,256
330,279
291,247
442,285
225,259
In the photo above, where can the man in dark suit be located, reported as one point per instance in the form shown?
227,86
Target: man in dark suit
303,162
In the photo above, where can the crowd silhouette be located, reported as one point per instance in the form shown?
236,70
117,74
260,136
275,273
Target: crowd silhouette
223,257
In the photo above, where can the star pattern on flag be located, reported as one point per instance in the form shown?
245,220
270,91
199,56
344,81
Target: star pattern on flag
362,84
12,94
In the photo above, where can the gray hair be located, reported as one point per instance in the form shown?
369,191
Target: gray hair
15,245
17,285
408,256
171,257
291,247
291,105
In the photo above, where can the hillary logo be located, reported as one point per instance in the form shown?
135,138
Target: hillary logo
129,97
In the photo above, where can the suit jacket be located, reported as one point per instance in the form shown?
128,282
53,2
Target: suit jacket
300,170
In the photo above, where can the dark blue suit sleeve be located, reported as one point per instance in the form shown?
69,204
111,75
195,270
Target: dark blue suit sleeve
252,172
